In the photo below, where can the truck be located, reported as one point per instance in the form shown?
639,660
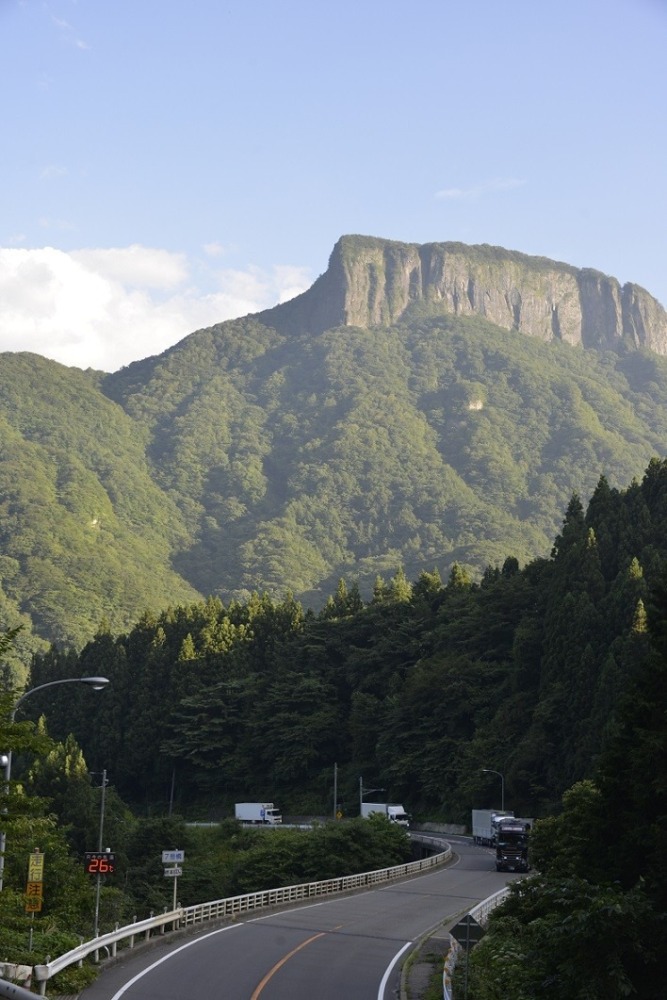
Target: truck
511,843
263,813
394,812
483,825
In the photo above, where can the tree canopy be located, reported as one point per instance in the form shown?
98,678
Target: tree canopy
249,458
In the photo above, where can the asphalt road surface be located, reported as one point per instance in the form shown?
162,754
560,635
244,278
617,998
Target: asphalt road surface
347,947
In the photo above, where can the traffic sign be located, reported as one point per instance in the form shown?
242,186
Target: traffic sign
36,867
173,872
99,862
35,887
33,903
468,932
172,857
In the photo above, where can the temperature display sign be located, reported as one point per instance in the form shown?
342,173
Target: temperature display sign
99,862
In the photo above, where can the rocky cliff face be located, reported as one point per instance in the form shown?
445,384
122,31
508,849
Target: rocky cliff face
372,282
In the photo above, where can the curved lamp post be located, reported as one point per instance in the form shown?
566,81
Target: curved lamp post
365,791
97,683
487,770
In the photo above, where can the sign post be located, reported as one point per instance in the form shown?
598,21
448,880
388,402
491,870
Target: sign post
99,863
173,858
468,932
34,890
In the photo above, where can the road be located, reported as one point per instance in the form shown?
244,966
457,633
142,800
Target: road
348,947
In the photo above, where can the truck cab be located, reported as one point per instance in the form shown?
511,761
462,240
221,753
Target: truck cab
511,841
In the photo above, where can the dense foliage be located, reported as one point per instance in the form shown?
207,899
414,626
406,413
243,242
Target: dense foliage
554,674
58,808
305,482
592,925
250,459
85,533
416,689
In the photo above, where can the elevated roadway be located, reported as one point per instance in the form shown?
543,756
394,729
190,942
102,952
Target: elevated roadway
349,947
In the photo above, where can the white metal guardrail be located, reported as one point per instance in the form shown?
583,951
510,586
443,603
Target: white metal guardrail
225,909
12,990
481,915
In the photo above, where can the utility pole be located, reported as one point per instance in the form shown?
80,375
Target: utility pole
100,848
335,805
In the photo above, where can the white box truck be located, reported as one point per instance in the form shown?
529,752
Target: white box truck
483,825
395,813
264,813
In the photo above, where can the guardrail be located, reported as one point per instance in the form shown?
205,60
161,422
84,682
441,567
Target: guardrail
12,990
481,915
224,909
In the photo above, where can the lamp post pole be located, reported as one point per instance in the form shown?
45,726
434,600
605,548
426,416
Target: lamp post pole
365,791
488,770
100,848
97,683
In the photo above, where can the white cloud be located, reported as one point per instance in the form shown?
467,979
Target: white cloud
214,249
103,308
479,190
67,32
53,170
291,280
60,225
136,265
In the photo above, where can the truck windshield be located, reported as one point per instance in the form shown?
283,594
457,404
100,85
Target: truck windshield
511,838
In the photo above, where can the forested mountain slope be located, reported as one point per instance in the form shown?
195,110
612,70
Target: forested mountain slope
276,452
417,688
297,460
85,533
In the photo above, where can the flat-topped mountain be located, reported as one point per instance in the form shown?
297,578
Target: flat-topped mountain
418,406
373,282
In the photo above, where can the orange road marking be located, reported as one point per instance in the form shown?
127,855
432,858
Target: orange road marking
271,973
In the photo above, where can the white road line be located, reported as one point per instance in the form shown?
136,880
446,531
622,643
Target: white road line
171,954
389,968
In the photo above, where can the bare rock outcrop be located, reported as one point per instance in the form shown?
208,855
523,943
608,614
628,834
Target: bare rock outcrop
372,282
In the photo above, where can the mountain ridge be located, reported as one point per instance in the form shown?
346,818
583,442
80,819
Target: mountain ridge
372,281
270,454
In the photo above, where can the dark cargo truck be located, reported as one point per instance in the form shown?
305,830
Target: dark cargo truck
511,840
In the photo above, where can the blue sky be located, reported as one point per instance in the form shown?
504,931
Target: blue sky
167,165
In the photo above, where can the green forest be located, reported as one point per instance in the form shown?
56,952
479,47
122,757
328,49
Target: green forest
247,460
405,556
551,673
416,688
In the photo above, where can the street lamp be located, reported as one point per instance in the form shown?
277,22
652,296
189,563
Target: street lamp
365,791
97,683
488,770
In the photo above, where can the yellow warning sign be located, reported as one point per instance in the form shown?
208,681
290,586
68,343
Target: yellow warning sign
35,867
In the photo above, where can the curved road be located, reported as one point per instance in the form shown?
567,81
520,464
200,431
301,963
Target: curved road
346,947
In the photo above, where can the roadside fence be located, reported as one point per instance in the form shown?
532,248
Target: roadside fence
189,917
